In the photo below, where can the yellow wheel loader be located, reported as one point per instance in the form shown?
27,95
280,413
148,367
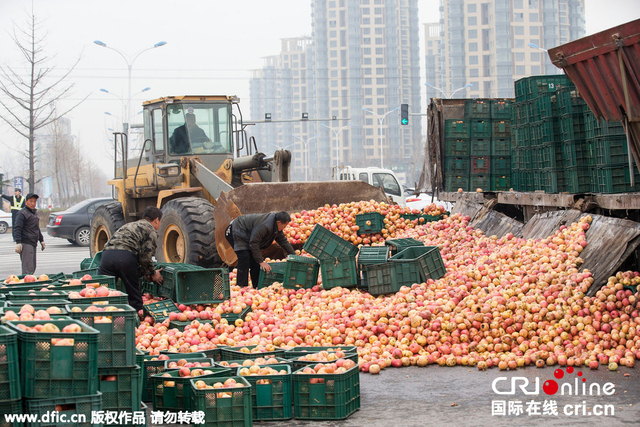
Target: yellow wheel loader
197,165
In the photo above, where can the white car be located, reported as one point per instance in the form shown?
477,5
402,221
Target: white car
423,200
5,222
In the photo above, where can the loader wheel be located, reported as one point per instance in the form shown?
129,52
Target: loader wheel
106,220
187,233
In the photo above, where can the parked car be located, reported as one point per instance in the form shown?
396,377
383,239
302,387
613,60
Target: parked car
5,221
74,223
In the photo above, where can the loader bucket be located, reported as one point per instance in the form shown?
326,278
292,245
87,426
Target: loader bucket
298,196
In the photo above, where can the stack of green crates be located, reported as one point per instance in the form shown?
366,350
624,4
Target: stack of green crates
10,393
337,258
192,284
65,376
477,148
608,156
119,375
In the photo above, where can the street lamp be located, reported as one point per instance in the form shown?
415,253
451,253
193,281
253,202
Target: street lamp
306,153
336,133
450,95
129,61
124,128
535,46
380,120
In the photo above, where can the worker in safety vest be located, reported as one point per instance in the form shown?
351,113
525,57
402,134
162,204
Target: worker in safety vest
17,203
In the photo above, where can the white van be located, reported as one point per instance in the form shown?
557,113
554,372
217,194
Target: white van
377,177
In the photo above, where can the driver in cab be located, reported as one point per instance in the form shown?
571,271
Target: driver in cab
183,136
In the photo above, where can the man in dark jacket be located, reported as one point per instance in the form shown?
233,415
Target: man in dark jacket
129,252
249,234
184,136
26,234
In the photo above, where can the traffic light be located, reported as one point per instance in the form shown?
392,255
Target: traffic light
404,114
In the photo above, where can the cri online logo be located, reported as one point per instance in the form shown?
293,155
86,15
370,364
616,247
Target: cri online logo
551,387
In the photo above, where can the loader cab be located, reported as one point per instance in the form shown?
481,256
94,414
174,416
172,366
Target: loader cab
190,126
377,177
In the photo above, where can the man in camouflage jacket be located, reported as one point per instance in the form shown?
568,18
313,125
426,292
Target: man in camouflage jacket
128,254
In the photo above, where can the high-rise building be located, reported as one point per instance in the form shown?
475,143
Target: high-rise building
489,44
363,55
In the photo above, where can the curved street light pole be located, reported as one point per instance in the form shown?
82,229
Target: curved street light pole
122,100
336,133
306,154
380,120
450,95
129,61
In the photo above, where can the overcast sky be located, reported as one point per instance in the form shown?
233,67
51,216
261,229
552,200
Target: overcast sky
212,47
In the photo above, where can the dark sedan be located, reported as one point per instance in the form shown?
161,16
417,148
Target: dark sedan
74,223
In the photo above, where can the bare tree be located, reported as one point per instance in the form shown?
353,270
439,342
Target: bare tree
31,96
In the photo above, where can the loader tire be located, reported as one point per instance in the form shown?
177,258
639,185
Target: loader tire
187,233
106,220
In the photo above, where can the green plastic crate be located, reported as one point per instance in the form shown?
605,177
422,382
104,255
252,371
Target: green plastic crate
85,263
36,296
341,272
427,258
240,362
323,244
578,180
501,128
530,88
175,324
380,279
295,352
220,411
152,367
232,317
477,109
480,128
569,101
272,400
116,342
501,108
546,103
205,286
452,182
160,310
167,289
551,155
140,362
179,397
501,182
500,165
398,245
456,147
370,255
52,370
574,153
480,146
350,353
607,151
108,300
501,147
9,365
38,305
552,180
94,262
275,275
329,397
455,128
369,222
234,353
572,126
67,406
91,271
482,181
456,165
124,393
208,360
103,280
614,179
151,288
521,135
301,272
10,407
480,165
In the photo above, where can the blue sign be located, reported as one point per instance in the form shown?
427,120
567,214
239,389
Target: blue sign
18,182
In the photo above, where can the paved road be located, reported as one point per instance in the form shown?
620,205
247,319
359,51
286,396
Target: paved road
60,256
431,396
